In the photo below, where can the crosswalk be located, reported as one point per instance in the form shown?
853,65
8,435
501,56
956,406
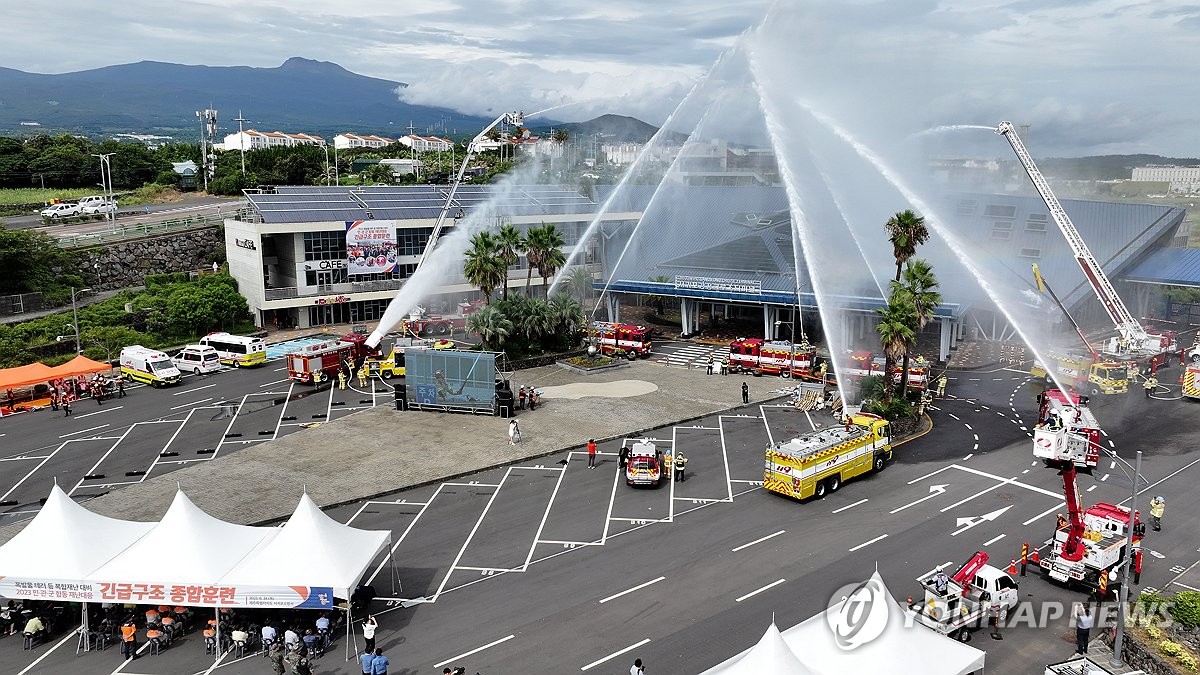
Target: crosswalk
690,355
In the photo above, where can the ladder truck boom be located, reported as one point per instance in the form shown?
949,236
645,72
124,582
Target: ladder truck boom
513,118
1128,327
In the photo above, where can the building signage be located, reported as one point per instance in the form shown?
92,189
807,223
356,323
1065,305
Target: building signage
726,285
324,265
247,244
332,300
370,247
224,595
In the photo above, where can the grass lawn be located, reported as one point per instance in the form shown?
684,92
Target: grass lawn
37,196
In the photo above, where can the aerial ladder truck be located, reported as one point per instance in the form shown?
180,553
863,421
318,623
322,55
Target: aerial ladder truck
1133,341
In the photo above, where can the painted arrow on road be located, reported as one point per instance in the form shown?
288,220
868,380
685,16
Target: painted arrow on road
934,491
965,524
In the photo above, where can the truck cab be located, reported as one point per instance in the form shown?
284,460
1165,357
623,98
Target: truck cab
645,465
957,604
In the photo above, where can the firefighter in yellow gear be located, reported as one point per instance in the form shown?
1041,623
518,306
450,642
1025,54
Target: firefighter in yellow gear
363,372
341,379
1158,506
668,461
1149,385
680,466
941,386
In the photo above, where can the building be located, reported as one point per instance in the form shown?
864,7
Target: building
426,143
1181,178
251,139
187,172
348,140
403,167
291,260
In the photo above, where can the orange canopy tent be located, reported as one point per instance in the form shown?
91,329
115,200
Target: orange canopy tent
21,376
80,365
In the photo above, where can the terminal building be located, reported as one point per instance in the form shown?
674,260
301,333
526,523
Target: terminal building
724,250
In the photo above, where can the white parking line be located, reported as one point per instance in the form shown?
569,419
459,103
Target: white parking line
473,651
630,590
849,506
868,543
203,400
99,412
188,391
286,379
757,541
995,539
76,433
611,656
768,587
1047,512
461,551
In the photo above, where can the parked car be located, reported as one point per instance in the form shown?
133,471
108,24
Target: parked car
100,207
60,211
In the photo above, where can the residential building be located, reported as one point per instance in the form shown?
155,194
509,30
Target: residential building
1181,178
426,143
348,140
251,139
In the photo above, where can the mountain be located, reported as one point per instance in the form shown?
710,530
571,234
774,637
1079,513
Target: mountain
301,95
612,128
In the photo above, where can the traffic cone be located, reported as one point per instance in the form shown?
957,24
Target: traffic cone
1012,566
1035,559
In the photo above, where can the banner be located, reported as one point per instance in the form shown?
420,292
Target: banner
169,594
450,378
370,246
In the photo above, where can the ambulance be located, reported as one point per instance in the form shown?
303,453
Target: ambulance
645,465
818,462
149,366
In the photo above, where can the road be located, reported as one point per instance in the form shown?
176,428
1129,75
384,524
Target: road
150,213
548,566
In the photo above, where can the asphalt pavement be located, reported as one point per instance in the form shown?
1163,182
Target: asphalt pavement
544,565
190,205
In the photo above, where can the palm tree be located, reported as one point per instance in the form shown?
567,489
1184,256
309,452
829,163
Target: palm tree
569,314
509,244
895,330
579,282
483,267
378,173
538,319
490,324
919,286
906,231
658,301
543,251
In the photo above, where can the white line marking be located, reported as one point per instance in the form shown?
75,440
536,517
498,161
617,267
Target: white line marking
68,636
954,416
614,655
972,454
286,379
1113,465
76,433
474,651
193,403
471,536
968,426
1090,489
1105,477
725,457
768,587
757,541
630,590
611,498
405,534
99,412
848,506
868,543
1047,512
561,472
993,476
995,539
188,391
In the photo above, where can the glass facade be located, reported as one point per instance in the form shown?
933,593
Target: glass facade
325,245
412,240
347,312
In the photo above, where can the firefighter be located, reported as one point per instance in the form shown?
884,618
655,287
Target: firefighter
821,370
1149,385
363,372
680,466
521,398
710,364
941,386
1158,506
341,379
623,456
667,463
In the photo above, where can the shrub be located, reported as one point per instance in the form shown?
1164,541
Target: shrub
1187,662
1185,609
1153,632
1170,648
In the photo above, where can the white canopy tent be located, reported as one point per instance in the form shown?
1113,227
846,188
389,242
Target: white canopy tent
771,655
902,648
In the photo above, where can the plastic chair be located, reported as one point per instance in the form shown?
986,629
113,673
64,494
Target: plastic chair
27,643
266,645
210,643
155,645
239,648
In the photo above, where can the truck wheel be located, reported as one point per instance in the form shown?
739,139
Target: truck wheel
963,635
1094,391
386,374
441,329
1195,358
879,464
820,490
835,482
785,375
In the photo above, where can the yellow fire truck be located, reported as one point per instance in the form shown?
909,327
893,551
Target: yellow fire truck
818,462
1087,374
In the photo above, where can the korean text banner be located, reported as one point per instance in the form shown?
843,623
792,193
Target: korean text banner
370,246
189,595
451,379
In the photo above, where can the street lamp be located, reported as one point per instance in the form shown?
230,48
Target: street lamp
1119,634
106,181
326,149
336,179
75,313
242,141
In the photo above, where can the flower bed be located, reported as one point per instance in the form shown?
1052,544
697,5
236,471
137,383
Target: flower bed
591,364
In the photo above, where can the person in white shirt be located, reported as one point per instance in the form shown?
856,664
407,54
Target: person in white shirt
369,627
636,668
268,634
1083,627
290,638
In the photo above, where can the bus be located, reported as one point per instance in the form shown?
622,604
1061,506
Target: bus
237,350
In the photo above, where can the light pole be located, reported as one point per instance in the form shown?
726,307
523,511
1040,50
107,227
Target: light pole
75,315
1119,635
336,179
241,141
326,149
106,181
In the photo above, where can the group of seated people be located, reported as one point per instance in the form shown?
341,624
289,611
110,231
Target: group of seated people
34,619
296,637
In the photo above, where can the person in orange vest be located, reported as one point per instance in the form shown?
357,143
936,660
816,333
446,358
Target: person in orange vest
591,450
129,639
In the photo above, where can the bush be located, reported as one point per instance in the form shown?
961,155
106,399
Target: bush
898,408
1170,648
1187,662
1154,632
157,281
1185,609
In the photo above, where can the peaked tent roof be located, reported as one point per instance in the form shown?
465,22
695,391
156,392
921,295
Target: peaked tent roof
186,546
903,647
770,655
34,373
80,365
311,549
66,541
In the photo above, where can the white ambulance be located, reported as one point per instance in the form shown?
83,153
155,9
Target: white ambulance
150,366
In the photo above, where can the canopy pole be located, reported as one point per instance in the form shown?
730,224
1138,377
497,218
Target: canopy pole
83,631
392,558
217,613
349,629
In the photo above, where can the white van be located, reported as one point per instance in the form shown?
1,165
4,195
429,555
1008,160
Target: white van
96,204
155,368
197,359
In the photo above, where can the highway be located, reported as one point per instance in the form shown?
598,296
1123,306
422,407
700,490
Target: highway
132,215
549,567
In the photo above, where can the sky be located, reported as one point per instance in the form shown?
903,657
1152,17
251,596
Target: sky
1088,76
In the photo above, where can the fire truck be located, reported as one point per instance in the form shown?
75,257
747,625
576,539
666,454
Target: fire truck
1191,381
621,339
421,322
818,462
644,465
772,357
957,604
1087,543
1086,373
387,366
319,361
863,364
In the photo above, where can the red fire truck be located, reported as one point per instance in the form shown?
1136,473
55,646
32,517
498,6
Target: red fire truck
319,361
863,364
771,357
621,338
421,322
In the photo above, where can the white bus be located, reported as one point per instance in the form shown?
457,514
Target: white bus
237,350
